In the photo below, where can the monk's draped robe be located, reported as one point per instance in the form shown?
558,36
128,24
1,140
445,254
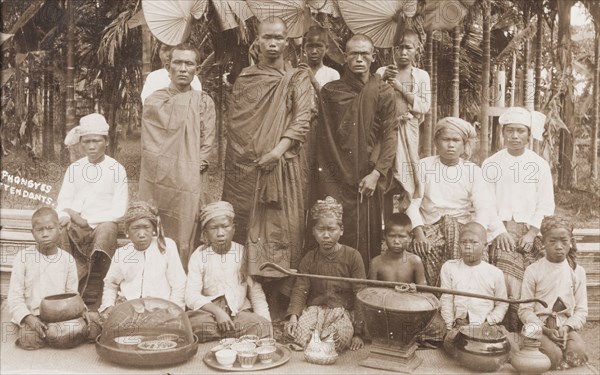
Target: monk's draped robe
178,132
265,106
357,134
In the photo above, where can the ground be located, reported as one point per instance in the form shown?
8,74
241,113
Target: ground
579,205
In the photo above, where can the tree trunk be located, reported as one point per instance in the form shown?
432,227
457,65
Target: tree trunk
51,91
146,52
70,108
526,53
434,92
456,72
596,109
485,83
538,59
565,60
427,127
47,147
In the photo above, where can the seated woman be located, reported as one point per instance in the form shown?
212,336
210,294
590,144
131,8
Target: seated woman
521,183
224,299
149,266
327,306
453,193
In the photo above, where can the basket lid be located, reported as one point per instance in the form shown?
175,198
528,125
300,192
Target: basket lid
392,300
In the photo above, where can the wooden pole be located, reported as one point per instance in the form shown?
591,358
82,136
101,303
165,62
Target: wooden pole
499,101
434,92
427,127
513,80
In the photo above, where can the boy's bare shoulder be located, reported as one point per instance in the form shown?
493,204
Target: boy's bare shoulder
376,262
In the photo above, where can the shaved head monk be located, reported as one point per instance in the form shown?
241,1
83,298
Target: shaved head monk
269,119
356,145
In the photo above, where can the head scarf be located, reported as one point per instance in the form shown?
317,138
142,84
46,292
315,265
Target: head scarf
94,124
559,222
327,208
144,210
215,209
465,129
534,120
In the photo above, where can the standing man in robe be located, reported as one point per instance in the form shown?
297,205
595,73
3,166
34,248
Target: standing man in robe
178,131
161,79
269,118
357,145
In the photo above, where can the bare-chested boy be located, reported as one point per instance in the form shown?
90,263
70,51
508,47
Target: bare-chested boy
397,264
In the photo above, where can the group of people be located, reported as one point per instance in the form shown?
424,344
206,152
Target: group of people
297,138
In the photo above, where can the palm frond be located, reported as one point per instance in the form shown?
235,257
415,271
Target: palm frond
527,34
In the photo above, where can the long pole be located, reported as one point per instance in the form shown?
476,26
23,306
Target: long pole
402,286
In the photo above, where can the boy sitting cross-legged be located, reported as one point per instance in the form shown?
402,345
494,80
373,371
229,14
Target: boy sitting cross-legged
219,292
471,274
38,272
398,265
563,287
322,305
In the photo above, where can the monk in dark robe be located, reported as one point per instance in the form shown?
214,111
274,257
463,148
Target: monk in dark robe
178,132
265,171
356,146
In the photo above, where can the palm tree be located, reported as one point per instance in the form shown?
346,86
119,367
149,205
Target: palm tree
427,130
485,80
456,38
70,109
593,8
564,94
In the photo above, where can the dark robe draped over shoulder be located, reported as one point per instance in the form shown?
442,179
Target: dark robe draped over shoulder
265,106
178,133
357,133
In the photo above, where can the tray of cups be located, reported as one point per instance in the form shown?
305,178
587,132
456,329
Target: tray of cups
242,355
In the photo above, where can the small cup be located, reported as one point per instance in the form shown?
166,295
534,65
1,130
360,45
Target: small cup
249,338
240,347
128,342
228,342
266,353
266,342
226,357
247,359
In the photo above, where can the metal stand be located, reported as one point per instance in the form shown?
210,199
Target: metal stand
392,358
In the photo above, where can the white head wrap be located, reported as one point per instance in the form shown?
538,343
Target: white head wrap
94,124
534,120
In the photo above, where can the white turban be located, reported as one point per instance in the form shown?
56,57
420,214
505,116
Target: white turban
94,124
534,120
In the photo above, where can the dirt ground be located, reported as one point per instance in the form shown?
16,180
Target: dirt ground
591,336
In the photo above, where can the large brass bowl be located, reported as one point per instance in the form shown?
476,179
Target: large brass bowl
61,307
135,357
